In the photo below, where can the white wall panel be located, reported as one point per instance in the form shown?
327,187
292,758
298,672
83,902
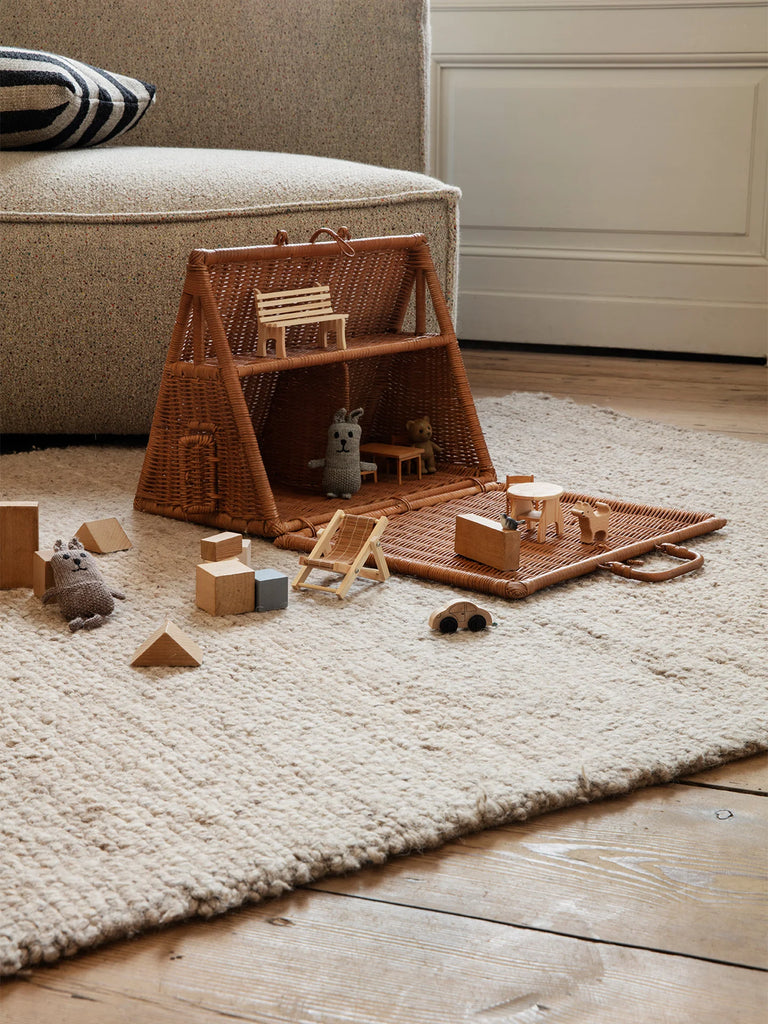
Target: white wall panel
610,153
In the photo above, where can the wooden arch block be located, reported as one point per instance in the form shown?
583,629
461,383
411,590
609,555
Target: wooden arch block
103,536
168,646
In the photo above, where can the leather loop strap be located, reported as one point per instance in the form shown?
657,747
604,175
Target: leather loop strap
692,560
341,236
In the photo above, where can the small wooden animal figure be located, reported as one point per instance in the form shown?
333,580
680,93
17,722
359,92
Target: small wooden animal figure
593,522
341,465
84,597
508,522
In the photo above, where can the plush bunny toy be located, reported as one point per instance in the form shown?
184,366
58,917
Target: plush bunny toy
341,465
79,587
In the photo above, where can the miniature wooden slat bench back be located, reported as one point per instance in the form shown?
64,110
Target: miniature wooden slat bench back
292,308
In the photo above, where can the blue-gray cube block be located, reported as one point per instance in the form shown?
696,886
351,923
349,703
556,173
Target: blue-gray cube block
271,590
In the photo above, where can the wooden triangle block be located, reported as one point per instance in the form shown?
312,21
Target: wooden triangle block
103,536
168,646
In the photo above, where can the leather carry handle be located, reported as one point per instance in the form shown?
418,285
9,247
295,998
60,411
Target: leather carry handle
343,236
691,560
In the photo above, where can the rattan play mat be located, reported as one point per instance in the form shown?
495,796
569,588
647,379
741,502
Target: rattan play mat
420,542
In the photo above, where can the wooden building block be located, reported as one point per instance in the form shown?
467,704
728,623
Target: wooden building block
103,536
271,590
42,573
221,546
18,543
168,645
225,588
484,540
245,554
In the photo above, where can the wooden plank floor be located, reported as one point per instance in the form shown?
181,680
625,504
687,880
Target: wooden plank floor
652,907
727,398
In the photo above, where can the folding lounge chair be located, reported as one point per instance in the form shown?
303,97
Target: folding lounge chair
344,546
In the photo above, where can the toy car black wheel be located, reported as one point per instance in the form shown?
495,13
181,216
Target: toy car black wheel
449,624
476,623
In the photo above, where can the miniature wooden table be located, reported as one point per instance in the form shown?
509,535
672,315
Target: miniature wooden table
522,499
402,454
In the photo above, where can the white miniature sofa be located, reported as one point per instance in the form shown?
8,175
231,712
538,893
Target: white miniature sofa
269,115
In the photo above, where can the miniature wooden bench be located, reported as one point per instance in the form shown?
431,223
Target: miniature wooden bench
278,310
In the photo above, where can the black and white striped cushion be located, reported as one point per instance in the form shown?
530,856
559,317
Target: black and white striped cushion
52,102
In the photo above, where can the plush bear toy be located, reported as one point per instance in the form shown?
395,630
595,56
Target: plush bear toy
341,465
85,599
420,433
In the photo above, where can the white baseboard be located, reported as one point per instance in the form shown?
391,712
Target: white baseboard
696,327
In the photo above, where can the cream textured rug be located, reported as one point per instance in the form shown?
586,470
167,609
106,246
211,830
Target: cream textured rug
331,735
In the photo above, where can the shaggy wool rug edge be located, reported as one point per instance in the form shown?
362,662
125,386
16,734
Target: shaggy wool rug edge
351,761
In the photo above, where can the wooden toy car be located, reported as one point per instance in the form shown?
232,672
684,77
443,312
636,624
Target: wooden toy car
460,615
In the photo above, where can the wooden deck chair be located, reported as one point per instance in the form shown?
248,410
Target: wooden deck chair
344,547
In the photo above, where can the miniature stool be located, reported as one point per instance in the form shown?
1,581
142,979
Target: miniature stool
537,502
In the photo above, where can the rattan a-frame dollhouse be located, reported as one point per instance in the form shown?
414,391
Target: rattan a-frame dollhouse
234,431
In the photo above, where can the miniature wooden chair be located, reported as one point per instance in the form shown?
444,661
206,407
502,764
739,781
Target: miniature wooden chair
343,547
517,480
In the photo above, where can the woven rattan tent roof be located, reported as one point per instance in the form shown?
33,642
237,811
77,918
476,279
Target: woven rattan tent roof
233,433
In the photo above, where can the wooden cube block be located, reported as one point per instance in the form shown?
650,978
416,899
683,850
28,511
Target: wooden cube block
18,543
225,588
245,554
271,590
103,536
484,540
168,645
42,573
221,546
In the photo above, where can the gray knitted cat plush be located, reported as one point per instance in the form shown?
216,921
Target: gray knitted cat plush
341,465
79,587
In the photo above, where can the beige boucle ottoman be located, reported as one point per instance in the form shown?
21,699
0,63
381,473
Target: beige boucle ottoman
95,243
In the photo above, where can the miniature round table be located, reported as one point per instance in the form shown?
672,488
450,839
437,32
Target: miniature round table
537,502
